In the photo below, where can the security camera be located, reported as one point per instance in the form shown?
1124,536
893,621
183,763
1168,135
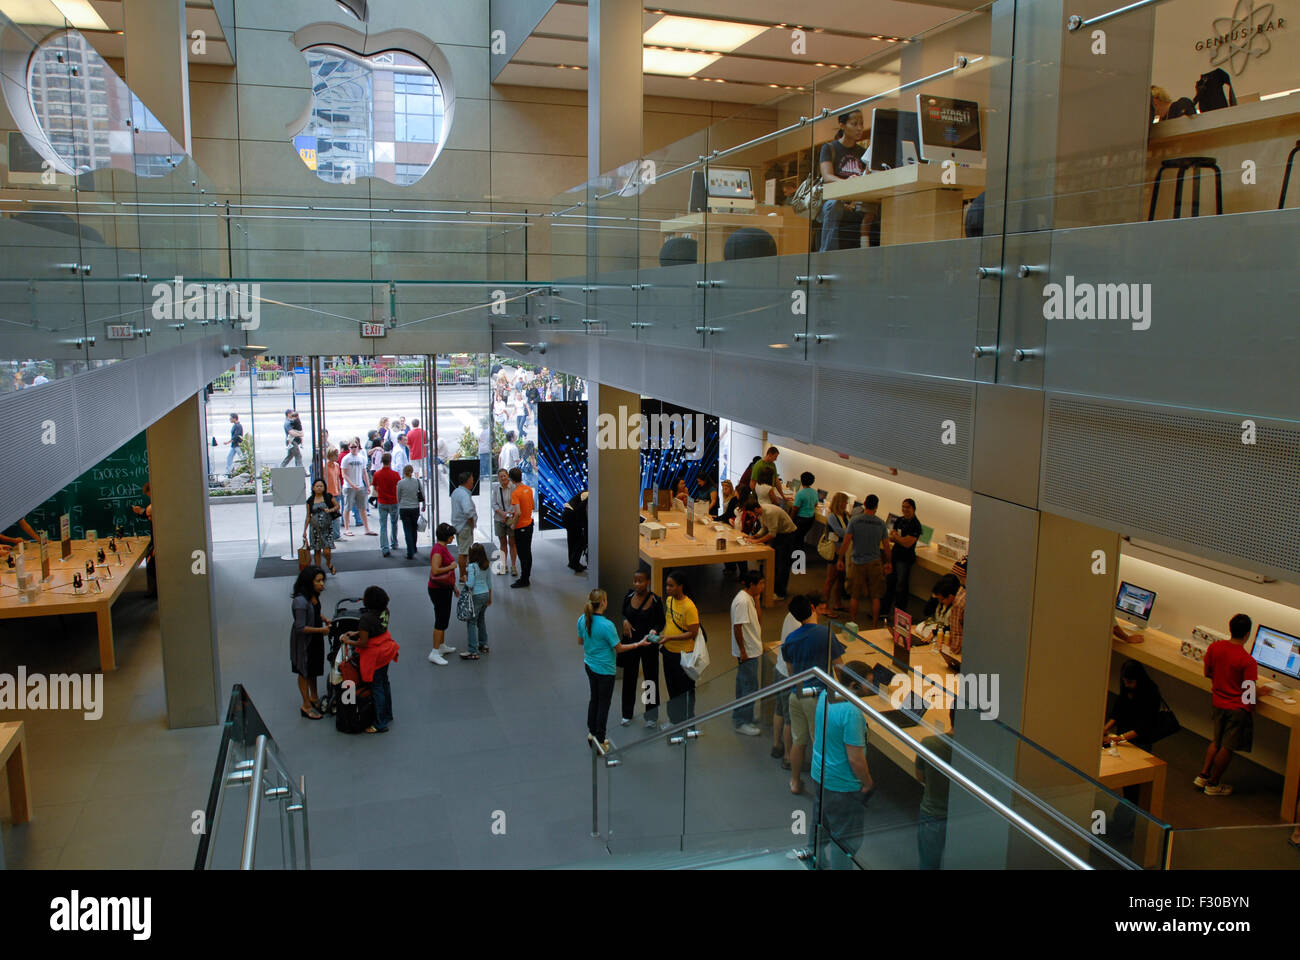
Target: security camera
227,350
539,347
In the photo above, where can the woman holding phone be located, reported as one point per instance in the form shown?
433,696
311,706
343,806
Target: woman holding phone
600,648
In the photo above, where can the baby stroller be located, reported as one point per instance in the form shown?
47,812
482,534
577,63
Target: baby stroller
347,617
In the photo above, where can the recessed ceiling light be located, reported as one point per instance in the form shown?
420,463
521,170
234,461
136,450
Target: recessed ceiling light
779,346
675,63
701,34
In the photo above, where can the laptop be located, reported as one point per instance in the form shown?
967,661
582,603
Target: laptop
953,662
916,704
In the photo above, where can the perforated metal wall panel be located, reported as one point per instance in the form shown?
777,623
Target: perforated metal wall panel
105,398
157,380
773,395
1177,476
679,376
28,460
898,420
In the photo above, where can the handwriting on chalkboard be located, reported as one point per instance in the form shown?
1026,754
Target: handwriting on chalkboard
101,498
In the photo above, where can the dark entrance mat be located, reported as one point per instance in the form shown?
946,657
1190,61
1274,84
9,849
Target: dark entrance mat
344,562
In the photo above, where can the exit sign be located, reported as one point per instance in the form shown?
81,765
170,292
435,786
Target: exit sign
373,330
120,331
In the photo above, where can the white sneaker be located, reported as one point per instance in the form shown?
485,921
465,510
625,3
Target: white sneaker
652,724
438,658
748,730
1217,789
625,721
1200,781
447,648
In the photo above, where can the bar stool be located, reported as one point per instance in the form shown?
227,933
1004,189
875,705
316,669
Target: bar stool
1286,177
1182,165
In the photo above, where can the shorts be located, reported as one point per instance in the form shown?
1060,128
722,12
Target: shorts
803,718
1233,729
441,597
782,709
867,580
504,529
465,539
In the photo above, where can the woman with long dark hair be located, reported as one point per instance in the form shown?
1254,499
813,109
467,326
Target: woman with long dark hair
600,649
1132,718
643,616
307,639
318,527
681,627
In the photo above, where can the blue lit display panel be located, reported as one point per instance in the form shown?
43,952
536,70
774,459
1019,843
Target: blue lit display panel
561,457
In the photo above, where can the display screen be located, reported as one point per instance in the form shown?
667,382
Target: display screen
949,123
1135,601
561,469
890,129
1277,651
734,184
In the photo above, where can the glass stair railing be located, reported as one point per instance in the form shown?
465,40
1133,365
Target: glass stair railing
256,817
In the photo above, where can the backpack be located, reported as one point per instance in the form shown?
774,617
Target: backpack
1209,91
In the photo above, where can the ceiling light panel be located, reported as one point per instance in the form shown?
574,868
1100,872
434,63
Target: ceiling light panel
675,63
719,35
53,13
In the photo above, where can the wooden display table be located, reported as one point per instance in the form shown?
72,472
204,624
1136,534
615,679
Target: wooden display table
790,232
13,754
675,550
1135,767
1160,651
916,206
926,556
57,597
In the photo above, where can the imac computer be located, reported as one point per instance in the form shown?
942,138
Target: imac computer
722,190
950,130
892,131
1277,652
1134,603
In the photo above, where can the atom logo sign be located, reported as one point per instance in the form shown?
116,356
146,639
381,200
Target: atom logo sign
1242,37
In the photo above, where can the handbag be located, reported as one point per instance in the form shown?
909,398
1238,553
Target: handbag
696,660
421,522
826,546
304,558
1165,724
465,605
809,194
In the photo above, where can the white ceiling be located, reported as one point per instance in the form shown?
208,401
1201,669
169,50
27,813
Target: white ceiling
837,33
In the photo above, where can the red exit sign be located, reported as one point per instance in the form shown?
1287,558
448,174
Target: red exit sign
119,331
373,330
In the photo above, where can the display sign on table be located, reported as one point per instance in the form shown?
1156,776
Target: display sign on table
902,628
65,536
45,556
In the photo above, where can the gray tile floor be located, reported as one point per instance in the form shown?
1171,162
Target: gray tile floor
471,741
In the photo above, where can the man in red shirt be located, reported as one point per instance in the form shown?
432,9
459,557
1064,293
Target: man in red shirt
385,483
1235,690
415,440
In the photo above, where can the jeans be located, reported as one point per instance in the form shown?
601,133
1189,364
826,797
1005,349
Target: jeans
383,695
931,833
681,688
838,822
524,547
746,683
387,518
409,516
337,526
519,425
647,658
484,466
602,693
292,451
230,459
355,498
477,628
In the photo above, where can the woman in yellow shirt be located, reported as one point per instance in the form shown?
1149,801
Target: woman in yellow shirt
681,626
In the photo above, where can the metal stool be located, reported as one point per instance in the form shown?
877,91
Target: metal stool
1182,165
1286,177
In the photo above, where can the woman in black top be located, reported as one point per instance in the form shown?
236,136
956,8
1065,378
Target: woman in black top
643,614
841,159
307,638
1131,719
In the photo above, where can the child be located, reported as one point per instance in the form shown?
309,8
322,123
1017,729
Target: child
1234,692
479,582
377,650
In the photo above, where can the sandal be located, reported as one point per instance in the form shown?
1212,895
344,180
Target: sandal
311,714
331,569
370,730
469,656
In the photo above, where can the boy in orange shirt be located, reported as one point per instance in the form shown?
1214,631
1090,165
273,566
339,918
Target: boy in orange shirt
521,506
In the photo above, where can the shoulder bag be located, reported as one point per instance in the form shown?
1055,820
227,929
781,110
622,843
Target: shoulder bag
465,604
1165,723
696,660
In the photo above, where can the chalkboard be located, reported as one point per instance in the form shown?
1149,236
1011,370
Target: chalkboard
101,498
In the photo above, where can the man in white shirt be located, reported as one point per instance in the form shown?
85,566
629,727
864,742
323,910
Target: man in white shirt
508,458
463,515
747,647
401,453
355,485
504,520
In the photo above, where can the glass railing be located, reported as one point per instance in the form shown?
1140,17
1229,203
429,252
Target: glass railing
1253,847
694,783
256,815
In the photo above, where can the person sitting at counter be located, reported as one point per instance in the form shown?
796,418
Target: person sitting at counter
957,617
1164,107
841,159
1132,718
938,609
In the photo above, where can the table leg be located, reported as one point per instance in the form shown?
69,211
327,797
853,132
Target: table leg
104,621
20,788
1292,781
769,575
1152,798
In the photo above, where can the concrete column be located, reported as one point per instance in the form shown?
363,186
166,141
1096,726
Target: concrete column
183,555
157,62
614,485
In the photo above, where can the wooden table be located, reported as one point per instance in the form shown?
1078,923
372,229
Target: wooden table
13,754
57,597
1160,651
675,550
916,205
789,232
1134,766
926,556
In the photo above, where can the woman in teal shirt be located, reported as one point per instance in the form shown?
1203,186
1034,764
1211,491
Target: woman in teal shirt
805,507
599,639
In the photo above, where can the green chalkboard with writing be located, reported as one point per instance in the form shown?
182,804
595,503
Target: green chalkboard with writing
100,499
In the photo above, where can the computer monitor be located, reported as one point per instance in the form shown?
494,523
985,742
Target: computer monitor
950,130
1135,602
1277,651
729,188
890,129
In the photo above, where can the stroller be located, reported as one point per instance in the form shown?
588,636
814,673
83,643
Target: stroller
352,707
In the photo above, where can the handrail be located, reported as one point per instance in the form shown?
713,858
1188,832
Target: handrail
614,757
249,852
